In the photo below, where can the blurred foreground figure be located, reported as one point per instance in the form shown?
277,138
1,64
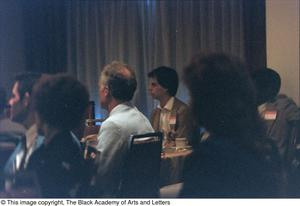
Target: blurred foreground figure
282,118
235,160
60,103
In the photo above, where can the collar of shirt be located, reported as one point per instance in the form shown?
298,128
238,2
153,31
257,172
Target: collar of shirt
121,107
168,106
31,135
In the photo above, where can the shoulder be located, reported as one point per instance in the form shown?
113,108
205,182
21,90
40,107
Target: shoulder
109,131
179,105
8,126
284,101
179,102
110,123
287,106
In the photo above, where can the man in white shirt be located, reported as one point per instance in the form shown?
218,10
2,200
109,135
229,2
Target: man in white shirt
171,116
117,85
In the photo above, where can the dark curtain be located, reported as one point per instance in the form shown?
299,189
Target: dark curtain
44,25
12,51
255,34
80,37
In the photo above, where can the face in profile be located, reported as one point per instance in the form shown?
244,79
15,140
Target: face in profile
19,106
155,89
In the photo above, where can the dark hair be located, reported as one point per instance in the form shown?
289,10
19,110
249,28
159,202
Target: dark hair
267,83
166,77
3,102
222,96
120,79
60,101
26,82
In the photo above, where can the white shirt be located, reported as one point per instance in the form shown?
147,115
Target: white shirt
113,138
31,135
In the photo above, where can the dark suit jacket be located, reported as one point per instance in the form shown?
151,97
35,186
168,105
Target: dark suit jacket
59,166
183,124
283,127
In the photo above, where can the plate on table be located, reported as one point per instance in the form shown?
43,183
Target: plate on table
184,148
169,149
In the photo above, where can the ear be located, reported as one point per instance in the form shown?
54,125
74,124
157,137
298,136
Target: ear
26,99
106,91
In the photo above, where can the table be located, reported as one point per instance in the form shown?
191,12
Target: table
171,191
172,165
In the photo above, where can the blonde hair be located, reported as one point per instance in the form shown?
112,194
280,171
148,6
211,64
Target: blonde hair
120,79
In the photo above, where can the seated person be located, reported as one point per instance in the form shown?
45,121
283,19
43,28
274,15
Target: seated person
279,112
60,103
171,115
10,132
117,84
282,118
235,160
21,111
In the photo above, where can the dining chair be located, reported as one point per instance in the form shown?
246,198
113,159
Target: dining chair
141,171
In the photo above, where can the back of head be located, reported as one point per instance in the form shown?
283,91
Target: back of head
26,82
60,101
167,78
222,94
2,100
120,79
267,83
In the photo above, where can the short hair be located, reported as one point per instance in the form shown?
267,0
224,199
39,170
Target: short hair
222,94
26,82
3,102
60,101
267,83
120,79
166,77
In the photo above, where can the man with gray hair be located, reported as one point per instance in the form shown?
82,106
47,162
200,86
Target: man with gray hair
117,84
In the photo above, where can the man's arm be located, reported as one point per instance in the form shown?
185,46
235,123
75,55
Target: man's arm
155,117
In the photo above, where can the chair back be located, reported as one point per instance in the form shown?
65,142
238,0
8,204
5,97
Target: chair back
140,176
